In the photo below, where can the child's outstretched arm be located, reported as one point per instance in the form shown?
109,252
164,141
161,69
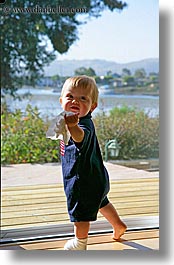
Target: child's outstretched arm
76,132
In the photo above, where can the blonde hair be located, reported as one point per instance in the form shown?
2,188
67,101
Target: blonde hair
85,82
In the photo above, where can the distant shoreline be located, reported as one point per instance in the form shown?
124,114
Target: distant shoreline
142,91
137,91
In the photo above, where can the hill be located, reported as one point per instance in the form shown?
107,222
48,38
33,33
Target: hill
101,67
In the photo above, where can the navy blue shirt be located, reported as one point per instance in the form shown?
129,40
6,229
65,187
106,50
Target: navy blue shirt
86,180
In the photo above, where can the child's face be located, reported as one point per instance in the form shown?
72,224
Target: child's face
77,100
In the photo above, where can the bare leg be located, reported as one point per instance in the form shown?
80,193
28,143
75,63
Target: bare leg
81,230
110,213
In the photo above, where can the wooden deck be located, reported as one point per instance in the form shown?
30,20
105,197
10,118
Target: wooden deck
40,210
34,217
41,205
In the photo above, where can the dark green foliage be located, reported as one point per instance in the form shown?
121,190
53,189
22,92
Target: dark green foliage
26,32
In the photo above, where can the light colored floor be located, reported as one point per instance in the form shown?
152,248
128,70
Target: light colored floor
51,173
140,240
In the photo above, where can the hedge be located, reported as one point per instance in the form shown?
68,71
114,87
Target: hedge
23,135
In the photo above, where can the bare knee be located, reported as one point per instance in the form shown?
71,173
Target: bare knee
81,229
82,225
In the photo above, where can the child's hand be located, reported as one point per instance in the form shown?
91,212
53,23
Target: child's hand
71,120
76,132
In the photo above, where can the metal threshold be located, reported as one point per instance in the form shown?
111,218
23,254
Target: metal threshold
57,232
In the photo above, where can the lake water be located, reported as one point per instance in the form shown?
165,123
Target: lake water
47,102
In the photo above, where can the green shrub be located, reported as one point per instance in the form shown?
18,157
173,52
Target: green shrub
23,137
135,131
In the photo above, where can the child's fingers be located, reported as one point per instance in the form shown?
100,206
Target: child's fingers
72,119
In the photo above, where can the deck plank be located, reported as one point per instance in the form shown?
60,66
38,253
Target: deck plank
31,207
61,209
46,204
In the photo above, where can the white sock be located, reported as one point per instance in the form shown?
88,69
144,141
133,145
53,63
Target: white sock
76,244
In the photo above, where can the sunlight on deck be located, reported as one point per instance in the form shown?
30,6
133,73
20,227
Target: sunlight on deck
37,205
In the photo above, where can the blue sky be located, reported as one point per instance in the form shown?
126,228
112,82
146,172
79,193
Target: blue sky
126,36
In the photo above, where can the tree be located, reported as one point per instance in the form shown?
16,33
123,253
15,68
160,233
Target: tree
28,26
126,72
85,71
140,73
